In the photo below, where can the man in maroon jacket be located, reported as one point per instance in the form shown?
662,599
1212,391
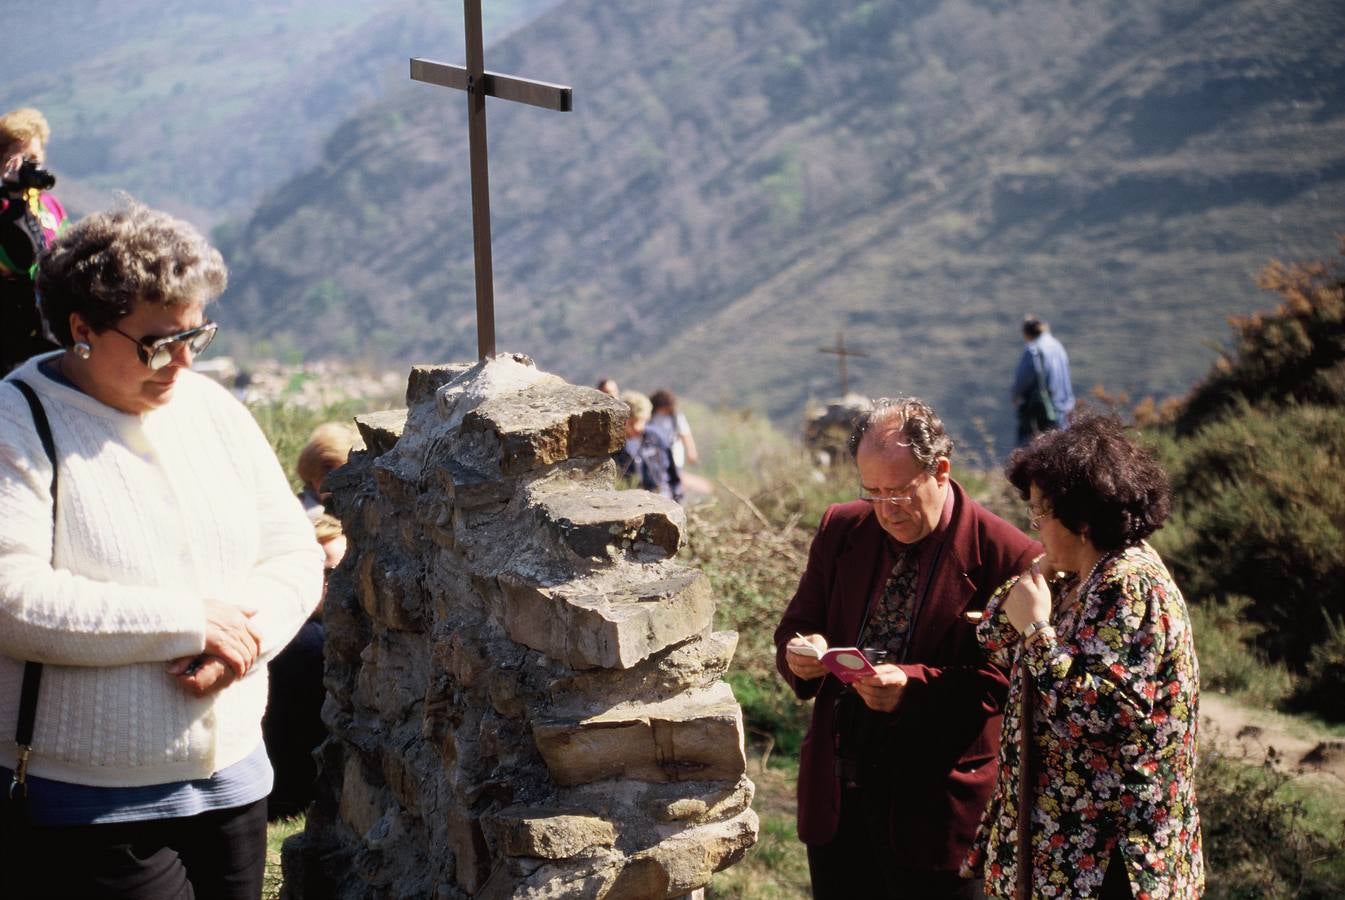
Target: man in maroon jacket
897,768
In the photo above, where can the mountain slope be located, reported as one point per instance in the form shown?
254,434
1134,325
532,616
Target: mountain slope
741,180
203,107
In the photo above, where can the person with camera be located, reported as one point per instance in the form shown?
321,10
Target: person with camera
30,217
897,768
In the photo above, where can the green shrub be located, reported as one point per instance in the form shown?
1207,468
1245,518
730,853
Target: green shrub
1229,660
1259,839
1321,690
1296,353
1260,512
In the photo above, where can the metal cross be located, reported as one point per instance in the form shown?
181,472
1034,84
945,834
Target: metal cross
843,354
480,84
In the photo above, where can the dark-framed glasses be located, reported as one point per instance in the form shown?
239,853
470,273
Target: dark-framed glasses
157,352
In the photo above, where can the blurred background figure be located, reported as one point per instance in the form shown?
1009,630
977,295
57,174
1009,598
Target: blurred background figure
646,460
30,217
608,386
673,427
327,449
1042,393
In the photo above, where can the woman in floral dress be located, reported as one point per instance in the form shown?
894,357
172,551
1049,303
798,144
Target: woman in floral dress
1099,742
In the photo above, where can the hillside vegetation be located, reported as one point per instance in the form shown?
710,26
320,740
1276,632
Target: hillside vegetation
739,180
1255,453
1255,546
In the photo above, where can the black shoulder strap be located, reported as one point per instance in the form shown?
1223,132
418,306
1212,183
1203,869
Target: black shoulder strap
32,671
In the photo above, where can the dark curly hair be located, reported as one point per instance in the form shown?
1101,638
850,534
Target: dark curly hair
1094,479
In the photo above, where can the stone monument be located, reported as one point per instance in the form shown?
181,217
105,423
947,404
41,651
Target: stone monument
524,688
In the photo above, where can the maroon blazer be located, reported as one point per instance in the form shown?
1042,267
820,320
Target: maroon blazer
946,727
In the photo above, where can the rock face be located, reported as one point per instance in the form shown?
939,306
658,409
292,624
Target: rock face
524,692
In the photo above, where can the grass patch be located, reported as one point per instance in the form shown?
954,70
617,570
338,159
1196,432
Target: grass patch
287,426
276,833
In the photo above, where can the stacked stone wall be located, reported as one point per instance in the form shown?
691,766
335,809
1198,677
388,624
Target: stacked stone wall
525,693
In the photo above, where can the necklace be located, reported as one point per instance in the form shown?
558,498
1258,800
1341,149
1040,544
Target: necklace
1075,596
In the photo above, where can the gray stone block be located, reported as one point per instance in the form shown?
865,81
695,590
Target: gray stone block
692,737
607,629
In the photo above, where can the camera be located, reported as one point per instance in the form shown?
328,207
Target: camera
31,175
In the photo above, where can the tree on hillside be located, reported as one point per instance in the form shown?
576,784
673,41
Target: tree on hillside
1296,352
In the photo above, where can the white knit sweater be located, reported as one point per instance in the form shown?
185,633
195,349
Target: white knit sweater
157,513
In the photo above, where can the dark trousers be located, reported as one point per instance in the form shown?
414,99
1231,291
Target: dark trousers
219,855
858,861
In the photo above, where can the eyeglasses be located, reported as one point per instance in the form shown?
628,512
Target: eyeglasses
1035,516
906,498
157,352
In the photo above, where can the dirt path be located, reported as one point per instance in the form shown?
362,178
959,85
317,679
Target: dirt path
1258,734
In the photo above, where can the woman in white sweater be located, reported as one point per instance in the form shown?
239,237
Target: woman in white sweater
176,562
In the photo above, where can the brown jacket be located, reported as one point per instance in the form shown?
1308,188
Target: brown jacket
943,737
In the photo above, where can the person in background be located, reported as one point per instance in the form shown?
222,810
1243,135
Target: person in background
30,218
896,769
645,459
327,449
673,428
173,564
608,386
1042,393
1099,746
293,726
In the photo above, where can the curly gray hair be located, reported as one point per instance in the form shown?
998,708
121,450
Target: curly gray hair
106,262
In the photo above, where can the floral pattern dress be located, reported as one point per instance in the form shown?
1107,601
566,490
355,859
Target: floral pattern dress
1113,739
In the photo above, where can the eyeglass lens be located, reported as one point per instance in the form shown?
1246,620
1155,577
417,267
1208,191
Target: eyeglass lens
197,340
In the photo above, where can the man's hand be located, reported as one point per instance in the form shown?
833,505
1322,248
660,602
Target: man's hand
201,675
806,665
1029,600
882,690
229,635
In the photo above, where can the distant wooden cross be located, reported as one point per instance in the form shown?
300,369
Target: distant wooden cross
480,84
842,354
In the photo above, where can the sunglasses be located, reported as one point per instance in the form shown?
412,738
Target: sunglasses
157,352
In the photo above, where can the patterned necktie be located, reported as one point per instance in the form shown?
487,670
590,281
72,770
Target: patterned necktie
890,625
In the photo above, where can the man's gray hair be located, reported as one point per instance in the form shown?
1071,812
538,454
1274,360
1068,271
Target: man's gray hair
905,422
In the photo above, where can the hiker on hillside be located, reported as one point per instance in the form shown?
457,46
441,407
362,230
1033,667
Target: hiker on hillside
30,217
1042,392
673,427
152,559
645,459
1099,746
897,768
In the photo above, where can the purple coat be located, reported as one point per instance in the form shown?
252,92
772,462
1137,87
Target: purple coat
946,727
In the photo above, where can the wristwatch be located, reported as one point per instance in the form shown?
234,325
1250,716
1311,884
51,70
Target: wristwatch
1033,628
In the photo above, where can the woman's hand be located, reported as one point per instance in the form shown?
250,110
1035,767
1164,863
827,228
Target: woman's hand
882,690
201,675
1029,600
806,665
230,636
